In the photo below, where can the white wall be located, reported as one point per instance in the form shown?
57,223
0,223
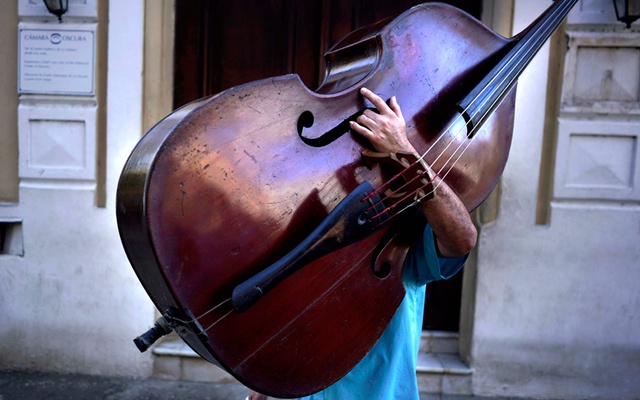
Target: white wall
556,306
72,302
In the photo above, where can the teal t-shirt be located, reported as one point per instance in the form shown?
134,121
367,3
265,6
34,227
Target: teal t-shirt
388,371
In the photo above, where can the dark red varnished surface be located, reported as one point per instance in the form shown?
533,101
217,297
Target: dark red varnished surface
232,188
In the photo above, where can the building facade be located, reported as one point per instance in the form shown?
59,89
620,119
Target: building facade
549,297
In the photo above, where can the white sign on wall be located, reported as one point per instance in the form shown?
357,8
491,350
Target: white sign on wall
56,60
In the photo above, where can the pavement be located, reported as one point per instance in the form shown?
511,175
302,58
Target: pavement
29,385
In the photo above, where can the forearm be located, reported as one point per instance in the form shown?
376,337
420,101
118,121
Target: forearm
455,233
446,213
448,216
386,130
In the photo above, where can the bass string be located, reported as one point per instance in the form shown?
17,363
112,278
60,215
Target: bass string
390,208
218,320
470,135
420,158
485,99
222,303
210,310
439,174
197,319
449,127
213,308
396,203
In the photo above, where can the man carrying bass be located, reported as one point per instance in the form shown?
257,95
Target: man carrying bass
388,371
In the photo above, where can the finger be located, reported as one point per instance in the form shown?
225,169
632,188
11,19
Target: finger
376,100
369,115
395,107
356,127
373,121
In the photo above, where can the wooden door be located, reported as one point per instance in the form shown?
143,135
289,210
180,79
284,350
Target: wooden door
221,44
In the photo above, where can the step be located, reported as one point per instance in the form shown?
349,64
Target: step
440,371
439,342
440,368
175,360
443,373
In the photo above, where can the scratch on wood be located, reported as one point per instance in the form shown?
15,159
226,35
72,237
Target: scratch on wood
250,156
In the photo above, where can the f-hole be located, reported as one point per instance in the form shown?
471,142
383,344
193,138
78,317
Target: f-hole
306,120
383,270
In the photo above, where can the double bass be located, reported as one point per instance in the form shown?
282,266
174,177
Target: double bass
265,238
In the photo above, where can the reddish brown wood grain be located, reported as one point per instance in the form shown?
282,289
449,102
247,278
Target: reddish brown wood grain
215,194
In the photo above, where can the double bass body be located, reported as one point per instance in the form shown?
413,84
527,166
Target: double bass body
226,186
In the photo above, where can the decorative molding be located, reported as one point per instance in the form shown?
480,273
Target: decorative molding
597,160
599,12
9,182
62,127
158,61
598,115
57,142
601,74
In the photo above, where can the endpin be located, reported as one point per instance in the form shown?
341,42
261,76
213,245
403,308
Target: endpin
158,330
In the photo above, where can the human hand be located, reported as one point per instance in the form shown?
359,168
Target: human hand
386,129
